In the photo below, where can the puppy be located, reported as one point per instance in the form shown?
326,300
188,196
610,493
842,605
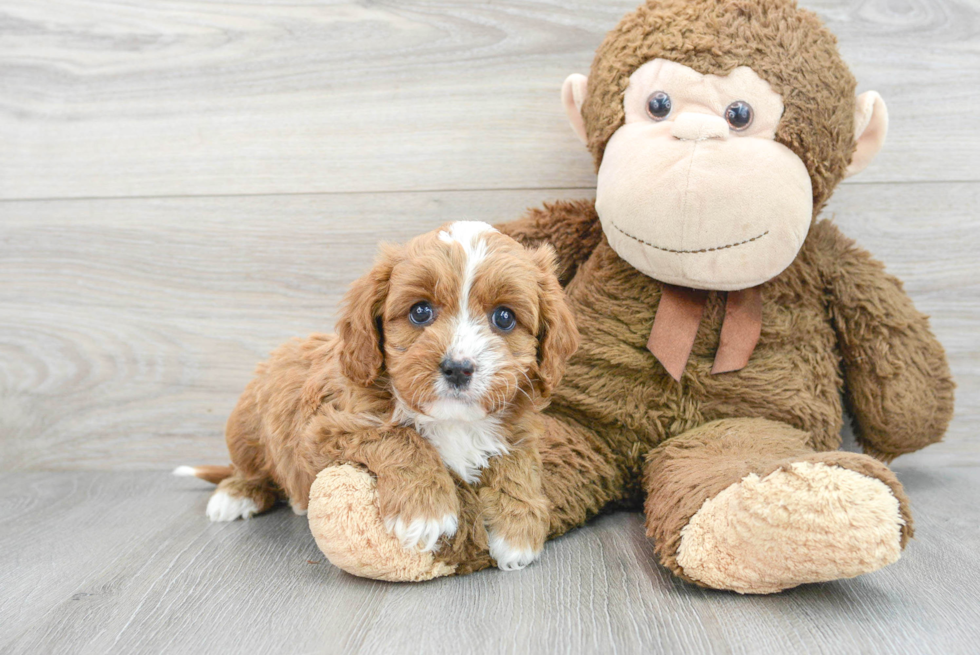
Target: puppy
445,354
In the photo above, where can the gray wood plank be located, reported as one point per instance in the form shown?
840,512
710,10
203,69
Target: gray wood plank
128,98
95,562
129,327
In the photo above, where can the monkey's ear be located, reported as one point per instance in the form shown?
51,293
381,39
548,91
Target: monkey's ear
573,93
870,128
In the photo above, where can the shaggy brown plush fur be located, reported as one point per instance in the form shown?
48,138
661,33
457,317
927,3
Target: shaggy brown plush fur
834,323
621,431
823,318
683,472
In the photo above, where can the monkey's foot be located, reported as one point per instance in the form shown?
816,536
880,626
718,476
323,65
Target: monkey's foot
809,521
348,528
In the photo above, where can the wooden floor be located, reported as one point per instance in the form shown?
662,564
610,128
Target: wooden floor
184,184
126,562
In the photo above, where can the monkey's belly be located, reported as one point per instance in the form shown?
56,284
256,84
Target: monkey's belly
615,386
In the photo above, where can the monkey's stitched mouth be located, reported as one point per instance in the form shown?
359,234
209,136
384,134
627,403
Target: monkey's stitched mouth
689,252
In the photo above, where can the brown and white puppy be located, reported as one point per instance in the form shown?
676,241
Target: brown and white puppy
447,351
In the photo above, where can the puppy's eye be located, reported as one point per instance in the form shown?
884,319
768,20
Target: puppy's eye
503,319
421,314
739,115
658,105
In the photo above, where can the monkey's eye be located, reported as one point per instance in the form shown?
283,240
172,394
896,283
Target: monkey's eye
421,314
658,105
503,319
739,115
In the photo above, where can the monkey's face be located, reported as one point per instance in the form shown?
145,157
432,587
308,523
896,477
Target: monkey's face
693,189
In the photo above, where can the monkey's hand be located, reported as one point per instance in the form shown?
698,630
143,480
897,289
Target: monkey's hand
572,228
898,384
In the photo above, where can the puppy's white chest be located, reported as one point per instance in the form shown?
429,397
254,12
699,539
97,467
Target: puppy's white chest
465,446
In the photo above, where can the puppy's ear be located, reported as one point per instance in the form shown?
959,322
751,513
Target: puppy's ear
359,328
557,335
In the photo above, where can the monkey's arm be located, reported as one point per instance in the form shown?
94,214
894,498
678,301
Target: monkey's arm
571,227
897,381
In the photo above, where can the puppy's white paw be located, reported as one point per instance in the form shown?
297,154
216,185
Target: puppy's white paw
297,510
223,507
422,533
509,558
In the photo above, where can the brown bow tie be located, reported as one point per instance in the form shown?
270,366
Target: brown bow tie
676,325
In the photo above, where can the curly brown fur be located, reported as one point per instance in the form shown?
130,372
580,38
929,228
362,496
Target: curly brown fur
361,397
514,507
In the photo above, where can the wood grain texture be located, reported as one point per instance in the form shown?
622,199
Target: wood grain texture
94,562
200,180
104,98
129,327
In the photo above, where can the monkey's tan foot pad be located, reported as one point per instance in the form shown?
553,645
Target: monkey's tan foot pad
808,522
348,528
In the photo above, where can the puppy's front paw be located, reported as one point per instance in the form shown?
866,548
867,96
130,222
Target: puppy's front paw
422,534
419,508
510,557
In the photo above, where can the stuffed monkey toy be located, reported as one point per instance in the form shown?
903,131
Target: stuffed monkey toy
724,325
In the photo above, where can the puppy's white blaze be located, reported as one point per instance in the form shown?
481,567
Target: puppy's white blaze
464,232
464,435
468,234
509,558
224,507
472,338
422,533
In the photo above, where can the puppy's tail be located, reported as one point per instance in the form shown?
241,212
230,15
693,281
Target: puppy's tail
212,474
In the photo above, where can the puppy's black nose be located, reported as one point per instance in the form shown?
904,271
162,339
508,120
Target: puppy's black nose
457,372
